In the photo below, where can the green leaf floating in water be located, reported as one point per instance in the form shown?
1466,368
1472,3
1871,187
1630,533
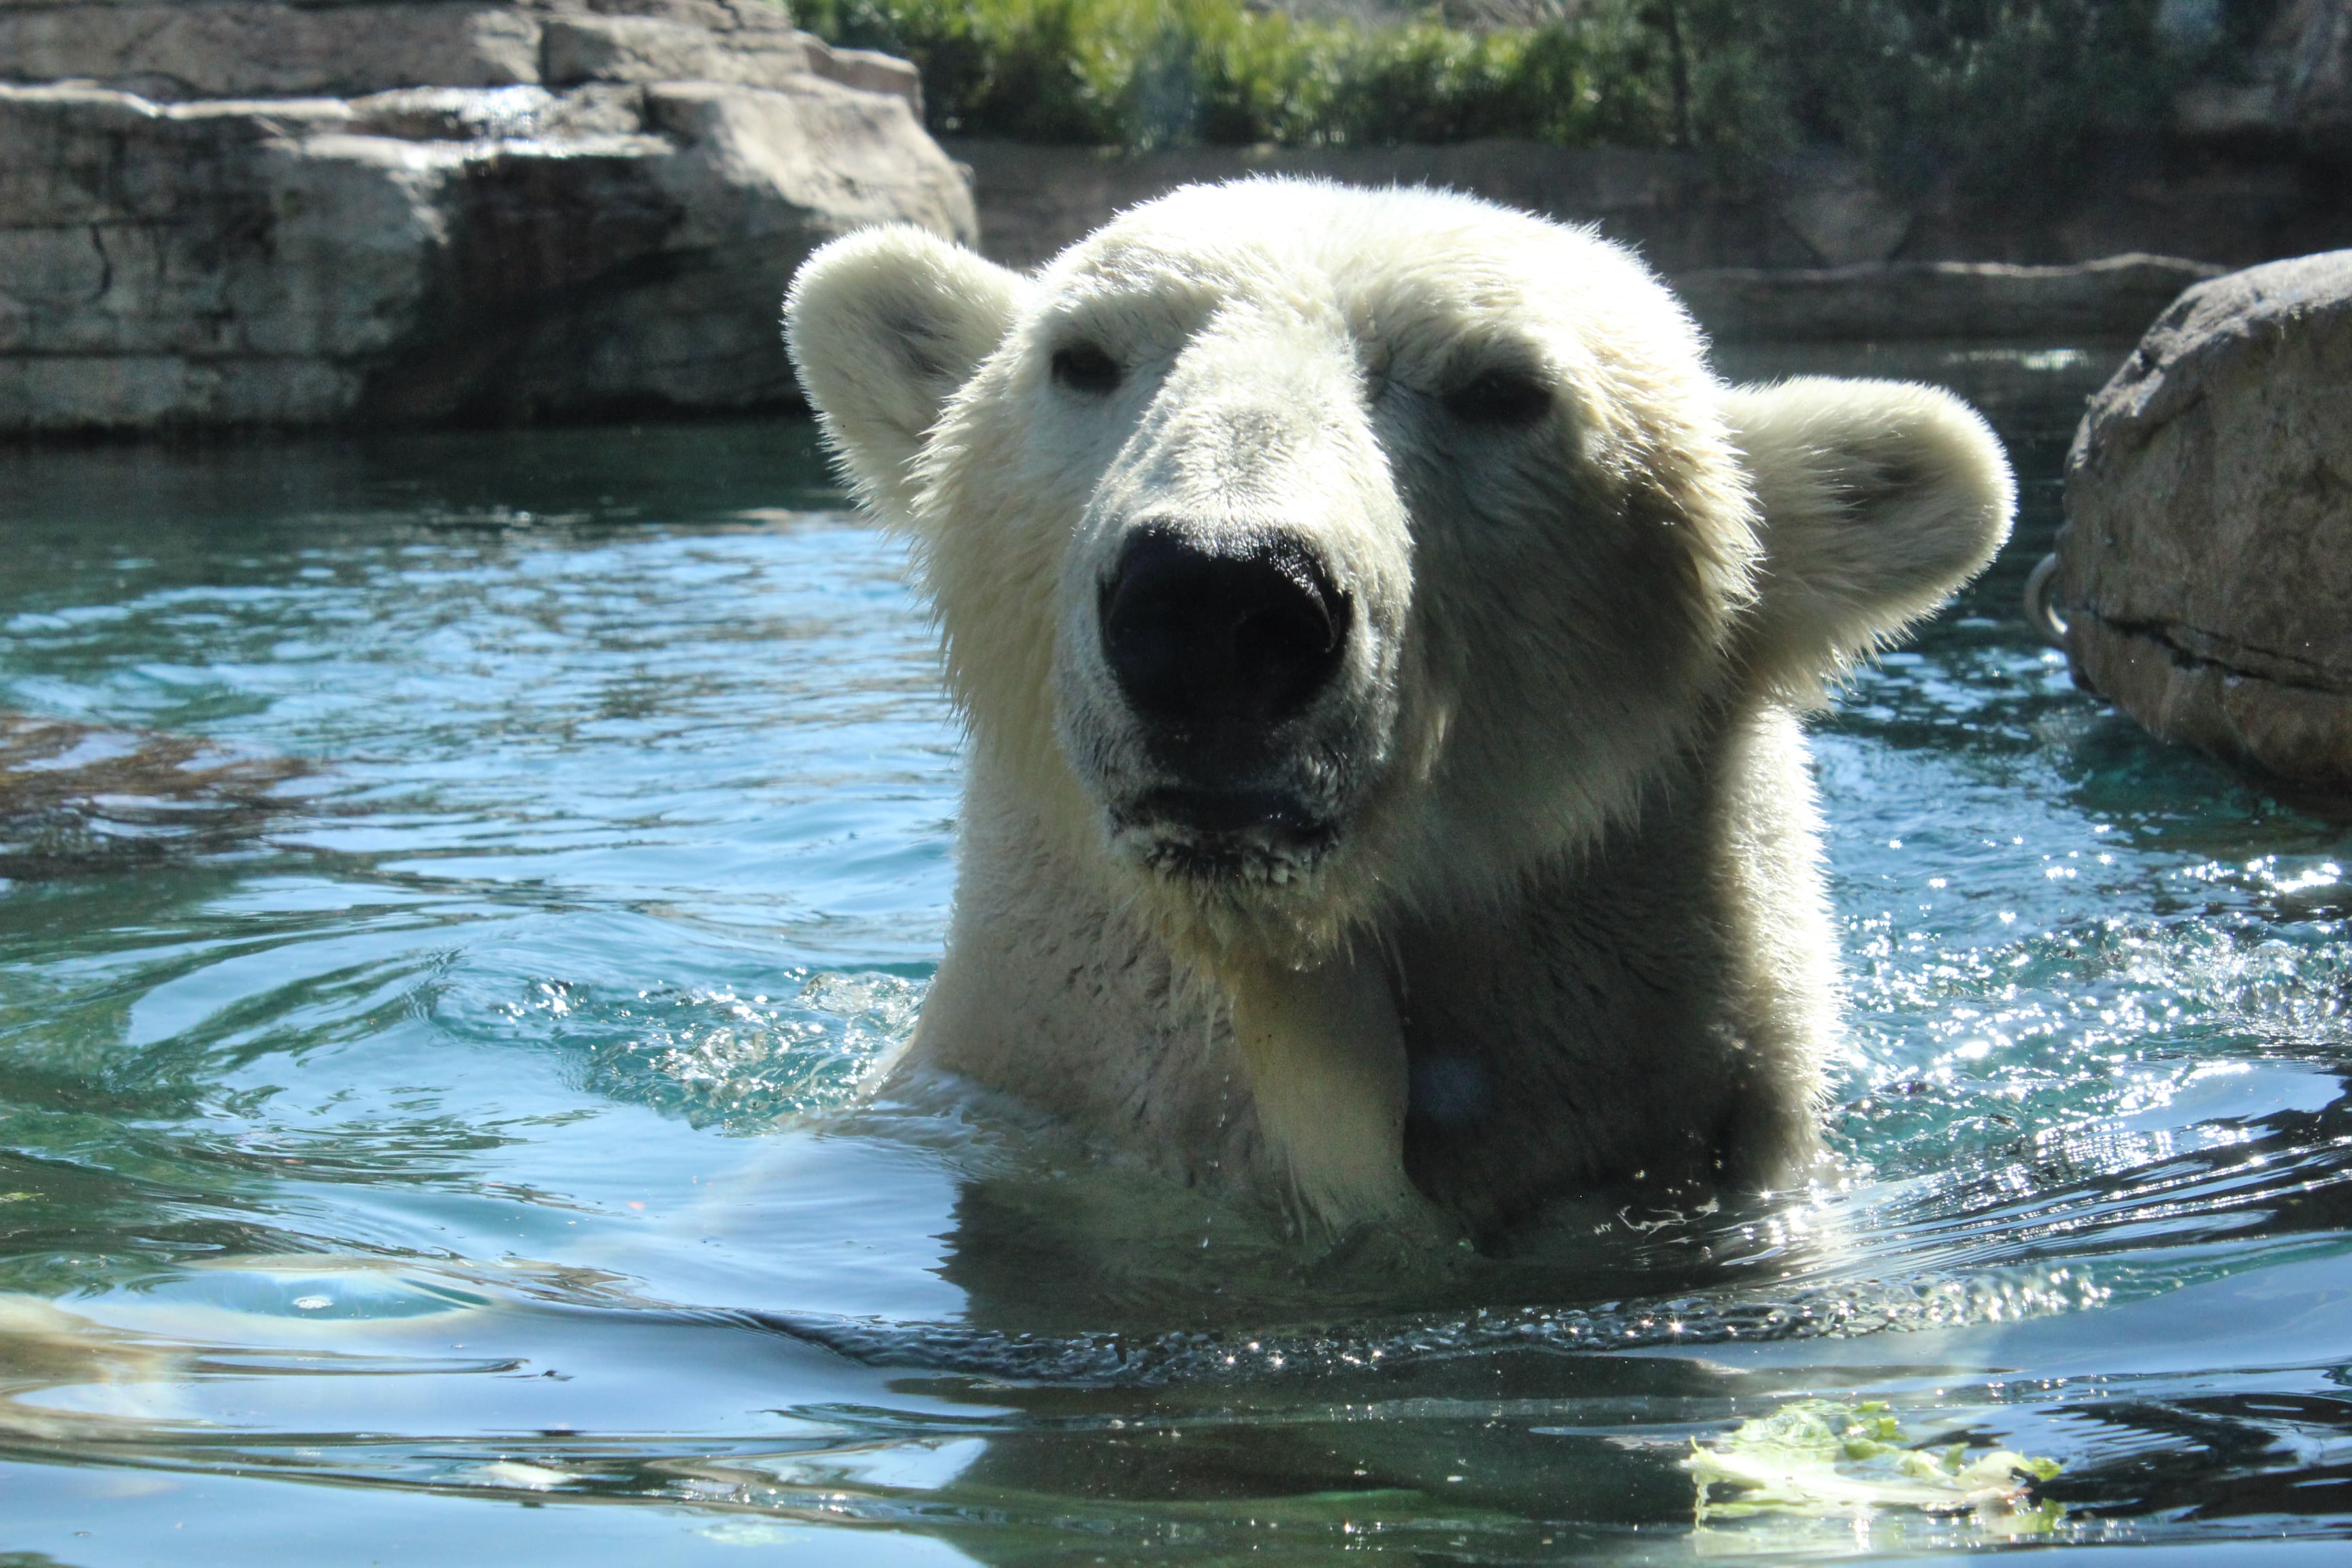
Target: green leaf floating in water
1820,1458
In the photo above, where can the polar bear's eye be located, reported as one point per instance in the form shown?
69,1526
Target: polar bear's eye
1085,367
1502,397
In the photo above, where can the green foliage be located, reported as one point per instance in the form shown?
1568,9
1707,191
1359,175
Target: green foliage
1155,73
1985,92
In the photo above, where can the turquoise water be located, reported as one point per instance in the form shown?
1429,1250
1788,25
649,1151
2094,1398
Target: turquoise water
454,885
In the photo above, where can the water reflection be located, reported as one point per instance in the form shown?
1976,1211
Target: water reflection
440,1096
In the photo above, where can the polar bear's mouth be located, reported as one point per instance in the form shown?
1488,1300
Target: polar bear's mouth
1224,835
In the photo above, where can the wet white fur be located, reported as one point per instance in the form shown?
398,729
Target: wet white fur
1579,900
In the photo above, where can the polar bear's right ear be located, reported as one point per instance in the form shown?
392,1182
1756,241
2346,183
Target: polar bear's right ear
1879,498
883,326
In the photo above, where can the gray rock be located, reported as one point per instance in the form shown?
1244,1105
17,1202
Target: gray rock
2206,563
437,251
868,70
575,50
250,49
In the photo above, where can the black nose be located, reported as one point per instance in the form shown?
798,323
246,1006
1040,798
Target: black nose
1212,629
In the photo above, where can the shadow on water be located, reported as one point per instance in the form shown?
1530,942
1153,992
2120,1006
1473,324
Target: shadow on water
468,882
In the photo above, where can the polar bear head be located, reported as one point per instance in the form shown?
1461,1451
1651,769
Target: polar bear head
1304,552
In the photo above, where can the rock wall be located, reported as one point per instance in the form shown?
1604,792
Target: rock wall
1815,254
306,211
248,213
1034,200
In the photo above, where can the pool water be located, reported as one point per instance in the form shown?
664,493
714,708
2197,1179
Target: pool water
455,886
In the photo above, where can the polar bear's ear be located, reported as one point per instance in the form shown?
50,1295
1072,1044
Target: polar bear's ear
883,326
1879,497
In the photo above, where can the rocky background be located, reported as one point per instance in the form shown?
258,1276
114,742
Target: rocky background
235,212
301,212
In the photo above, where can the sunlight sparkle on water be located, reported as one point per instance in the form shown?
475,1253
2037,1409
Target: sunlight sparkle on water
457,1102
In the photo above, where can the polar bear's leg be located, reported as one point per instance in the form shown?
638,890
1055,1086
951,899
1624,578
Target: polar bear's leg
1325,1058
1782,980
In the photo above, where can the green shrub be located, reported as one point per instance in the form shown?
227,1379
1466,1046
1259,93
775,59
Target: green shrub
1991,93
1155,73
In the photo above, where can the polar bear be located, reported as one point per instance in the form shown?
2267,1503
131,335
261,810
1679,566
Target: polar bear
1382,640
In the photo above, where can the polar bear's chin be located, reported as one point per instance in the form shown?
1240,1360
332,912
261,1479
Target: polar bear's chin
1229,864
1225,843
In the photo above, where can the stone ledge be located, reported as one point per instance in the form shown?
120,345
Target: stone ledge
2113,296
250,49
68,394
197,50
869,71
576,50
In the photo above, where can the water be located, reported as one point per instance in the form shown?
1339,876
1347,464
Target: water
454,885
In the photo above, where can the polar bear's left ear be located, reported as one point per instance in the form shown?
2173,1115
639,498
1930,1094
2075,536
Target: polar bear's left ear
883,326
1879,497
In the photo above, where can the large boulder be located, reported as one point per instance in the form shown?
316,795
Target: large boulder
245,212
2205,569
